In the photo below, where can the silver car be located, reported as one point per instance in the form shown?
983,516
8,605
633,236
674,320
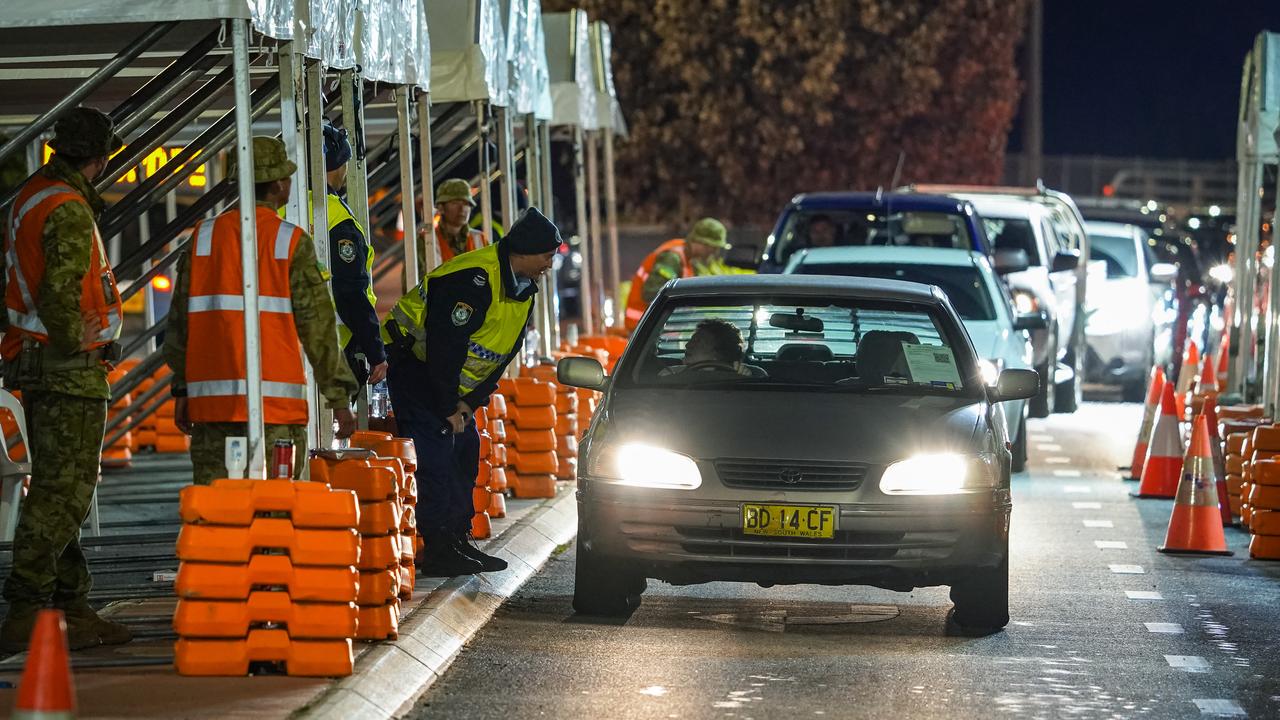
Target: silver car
797,429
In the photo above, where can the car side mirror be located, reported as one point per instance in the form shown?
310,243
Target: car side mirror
1163,273
1065,260
583,372
1031,321
1015,384
742,256
1010,260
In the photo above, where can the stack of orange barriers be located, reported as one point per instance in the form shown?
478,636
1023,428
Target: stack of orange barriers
1260,510
266,576
489,499
120,453
531,437
169,439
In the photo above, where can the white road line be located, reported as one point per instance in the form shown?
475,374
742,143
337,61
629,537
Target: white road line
1219,708
1042,438
1077,489
1188,663
1127,569
1057,460
1098,523
1087,505
1067,473
1168,628
1111,544
1049,448
1143,595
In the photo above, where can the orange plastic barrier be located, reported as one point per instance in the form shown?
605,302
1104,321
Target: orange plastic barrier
306,658
380,518
237,502
401,448
533,485
535,440
566,403
234,618
370,482
378,587
534,417
497,505
367,439
379,553
216,543
380,622
498,479
534,463
220,581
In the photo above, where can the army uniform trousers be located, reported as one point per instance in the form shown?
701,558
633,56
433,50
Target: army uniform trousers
209,447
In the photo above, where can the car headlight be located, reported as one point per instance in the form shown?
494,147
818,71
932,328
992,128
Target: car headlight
1222,273
645,466
1025,303
991,370
939,474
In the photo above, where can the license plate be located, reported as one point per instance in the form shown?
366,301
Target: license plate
803,521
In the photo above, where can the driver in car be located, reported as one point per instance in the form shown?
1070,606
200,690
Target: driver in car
715,345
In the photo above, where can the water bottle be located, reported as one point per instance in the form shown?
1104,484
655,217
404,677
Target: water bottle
380,400
532,346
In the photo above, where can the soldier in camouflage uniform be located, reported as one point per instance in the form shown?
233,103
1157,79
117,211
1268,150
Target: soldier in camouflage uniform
65,393
313,316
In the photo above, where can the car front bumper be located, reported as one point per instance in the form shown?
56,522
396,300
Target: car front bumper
1121,356
897,545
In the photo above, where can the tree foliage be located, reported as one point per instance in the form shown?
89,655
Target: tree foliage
736,105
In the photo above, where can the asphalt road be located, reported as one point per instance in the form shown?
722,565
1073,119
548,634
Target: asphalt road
1092,636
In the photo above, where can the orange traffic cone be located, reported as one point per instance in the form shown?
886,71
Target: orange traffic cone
1163,464
1208,382
1219,459
46,690
1196,523
1154,390
1186,376
1224,352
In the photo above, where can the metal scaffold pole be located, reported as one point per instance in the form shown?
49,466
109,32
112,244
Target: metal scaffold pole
1245,272
506,167
585,295
357,184
547,305
428,248
596,288
407,209
486,176
318,184
248,251
611,211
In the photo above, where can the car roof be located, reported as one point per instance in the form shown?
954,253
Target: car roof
950,257
803,285
873,200
1111,227
999,206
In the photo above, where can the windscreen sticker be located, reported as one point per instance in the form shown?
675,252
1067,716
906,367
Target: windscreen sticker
892,380
931,364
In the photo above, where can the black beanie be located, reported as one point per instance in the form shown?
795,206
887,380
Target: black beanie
337,150
532,234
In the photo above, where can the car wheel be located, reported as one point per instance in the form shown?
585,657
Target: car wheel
982,598
1042,404
603,588
1068,394
1019,449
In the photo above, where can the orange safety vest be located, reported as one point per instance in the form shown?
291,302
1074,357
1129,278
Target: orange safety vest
217,377
100,304
636,304
475,240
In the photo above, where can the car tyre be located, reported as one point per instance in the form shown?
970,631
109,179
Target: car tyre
1019,449
602,588
982,598
1042,404
1068,394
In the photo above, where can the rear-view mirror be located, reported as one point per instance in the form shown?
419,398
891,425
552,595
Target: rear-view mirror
798,322
1010,260
1163,273
1031,321
583,372
1015,384
743,256
1065,260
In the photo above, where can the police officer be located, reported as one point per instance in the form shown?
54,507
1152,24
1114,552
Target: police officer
351,257
449,341
204,339
695,254
63,319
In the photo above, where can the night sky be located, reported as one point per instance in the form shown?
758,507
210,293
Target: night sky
1146,78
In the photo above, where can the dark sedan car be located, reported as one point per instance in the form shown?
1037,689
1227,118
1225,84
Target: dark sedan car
846,437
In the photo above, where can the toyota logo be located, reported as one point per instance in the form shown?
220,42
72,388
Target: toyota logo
790,476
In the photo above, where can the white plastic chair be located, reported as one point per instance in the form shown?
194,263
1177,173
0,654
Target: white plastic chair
13,474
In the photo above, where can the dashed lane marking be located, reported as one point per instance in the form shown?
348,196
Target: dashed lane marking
1214,707
1087,505
1077,489
1049,448
1042,438
1167,628
1127,569
1188,663
1067,473
1098,523
1111,544
1143,595
1057,461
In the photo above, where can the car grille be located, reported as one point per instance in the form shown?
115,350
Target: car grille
846,546
755,474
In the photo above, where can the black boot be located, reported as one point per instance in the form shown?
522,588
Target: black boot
441,558
488,562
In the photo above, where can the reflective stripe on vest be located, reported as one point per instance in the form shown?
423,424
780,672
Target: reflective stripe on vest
216,368
339,213
492,343
100,303
636,304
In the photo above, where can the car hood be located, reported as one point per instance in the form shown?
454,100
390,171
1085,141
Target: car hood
1120,295
870,428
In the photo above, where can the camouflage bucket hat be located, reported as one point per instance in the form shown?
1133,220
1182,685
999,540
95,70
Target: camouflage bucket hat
85,132
709,231
455,189
270,160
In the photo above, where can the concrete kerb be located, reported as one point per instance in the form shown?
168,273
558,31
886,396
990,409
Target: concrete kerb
389,678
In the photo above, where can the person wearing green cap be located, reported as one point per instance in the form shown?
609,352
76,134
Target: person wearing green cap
453,235
63,318
695,254
204,340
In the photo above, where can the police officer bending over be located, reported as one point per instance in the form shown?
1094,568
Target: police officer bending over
449,341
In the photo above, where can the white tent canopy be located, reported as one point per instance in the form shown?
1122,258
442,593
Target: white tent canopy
468,52
569,63
61,13
542,82
608,112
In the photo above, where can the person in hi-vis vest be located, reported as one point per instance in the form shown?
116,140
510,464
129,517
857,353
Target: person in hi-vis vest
449,340
351,257
205,345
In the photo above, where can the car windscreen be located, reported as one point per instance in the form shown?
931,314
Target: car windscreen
963,285
802,343
1013,234
836,228
1119,251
